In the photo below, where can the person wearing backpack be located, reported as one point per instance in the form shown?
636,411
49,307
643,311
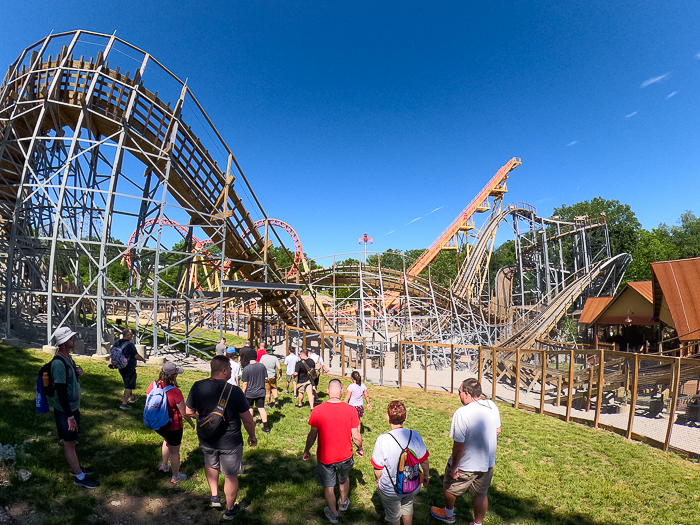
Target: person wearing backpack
397,458
66,403
303,372
166,385
475,429
128,372
221,408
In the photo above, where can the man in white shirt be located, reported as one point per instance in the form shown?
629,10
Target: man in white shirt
235,367
475,430
290,364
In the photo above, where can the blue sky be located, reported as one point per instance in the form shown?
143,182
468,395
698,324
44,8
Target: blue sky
353,117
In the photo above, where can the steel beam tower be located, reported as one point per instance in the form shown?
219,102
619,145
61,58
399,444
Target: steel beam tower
89,151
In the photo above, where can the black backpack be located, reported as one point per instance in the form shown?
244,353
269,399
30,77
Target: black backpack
44,391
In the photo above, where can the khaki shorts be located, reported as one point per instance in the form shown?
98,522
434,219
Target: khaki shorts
270,384
474,482
301,387
397,505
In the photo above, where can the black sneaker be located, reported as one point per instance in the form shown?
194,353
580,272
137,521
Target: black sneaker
266,429
87,483
86,470
215,501
230,514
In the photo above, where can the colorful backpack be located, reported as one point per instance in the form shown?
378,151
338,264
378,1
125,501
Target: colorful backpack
117,355
408,473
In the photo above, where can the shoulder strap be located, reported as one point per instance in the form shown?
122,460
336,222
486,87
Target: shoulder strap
410,435
223,402
65,364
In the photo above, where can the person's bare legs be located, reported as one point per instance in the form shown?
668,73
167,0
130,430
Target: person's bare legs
165,453
344,490
263,415
213,480
71,456
275,395
329,493
127,396
230,490
310,395
480,504
407,519
174,460
449,500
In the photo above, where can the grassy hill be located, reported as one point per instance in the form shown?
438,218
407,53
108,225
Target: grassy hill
547,472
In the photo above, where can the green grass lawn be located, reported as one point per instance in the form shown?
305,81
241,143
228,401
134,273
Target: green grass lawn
547,471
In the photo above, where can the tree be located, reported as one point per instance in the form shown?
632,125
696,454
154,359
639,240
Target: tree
502,256
622,221
652,246
685,236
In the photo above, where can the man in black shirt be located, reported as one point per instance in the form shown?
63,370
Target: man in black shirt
304,383
224,451
253,385
247,355
129,371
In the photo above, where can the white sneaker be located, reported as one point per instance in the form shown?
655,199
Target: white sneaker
331,518
344,506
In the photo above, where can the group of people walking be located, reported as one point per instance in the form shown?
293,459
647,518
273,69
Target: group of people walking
235,388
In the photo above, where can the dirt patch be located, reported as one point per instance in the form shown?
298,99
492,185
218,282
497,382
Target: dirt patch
122,509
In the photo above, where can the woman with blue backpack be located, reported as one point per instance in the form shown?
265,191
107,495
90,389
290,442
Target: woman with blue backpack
164,411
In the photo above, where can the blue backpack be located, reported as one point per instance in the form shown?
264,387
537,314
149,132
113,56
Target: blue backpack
155,413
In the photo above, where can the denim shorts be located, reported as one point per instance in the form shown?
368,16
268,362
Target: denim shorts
329,475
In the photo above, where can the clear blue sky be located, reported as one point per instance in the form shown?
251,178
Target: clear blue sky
363,116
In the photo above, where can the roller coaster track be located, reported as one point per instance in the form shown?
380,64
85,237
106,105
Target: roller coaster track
393,282
42,97
478,260
548,315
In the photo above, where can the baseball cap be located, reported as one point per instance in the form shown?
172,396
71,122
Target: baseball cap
171,368
63,334
231,350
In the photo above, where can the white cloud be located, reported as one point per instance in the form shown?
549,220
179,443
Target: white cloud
673,94
653,80
389,233
414,220
631,114
698,55
572,143
436,209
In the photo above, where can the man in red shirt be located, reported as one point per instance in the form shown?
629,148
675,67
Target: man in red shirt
261,352
337,426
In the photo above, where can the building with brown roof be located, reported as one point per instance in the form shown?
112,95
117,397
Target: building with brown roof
676,300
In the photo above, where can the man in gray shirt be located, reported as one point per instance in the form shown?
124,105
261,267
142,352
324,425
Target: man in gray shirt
221,347
253,386
273,368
